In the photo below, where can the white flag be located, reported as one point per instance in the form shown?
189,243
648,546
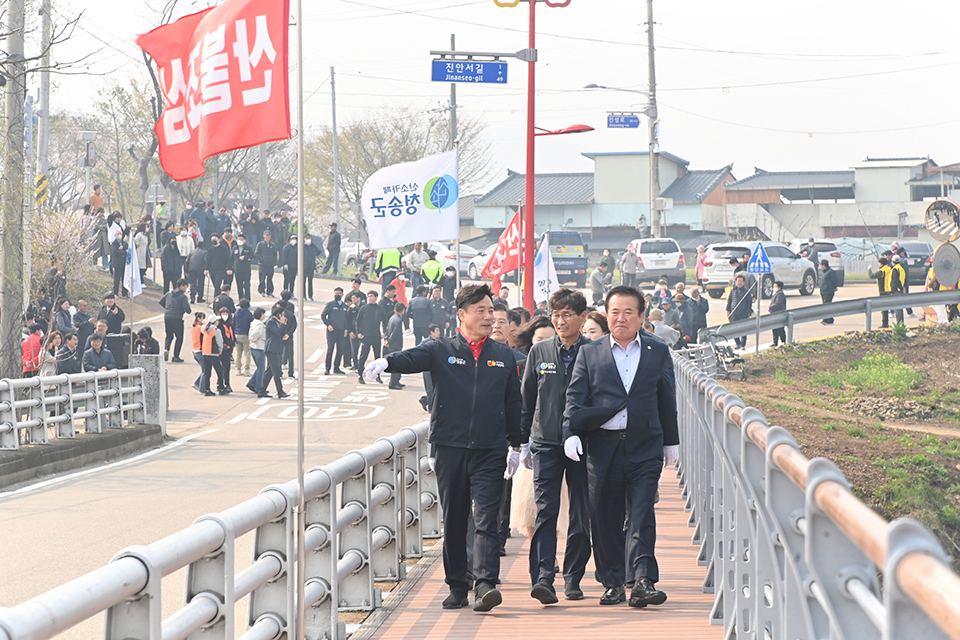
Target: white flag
413,202
131,272
545,279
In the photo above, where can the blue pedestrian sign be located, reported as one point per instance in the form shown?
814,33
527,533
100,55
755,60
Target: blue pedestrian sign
469,71
623,122
759,262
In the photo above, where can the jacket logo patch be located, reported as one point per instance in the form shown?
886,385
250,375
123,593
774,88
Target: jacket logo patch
453,360
548,367
494,363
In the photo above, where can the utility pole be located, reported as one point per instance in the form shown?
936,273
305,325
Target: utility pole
264,184
28,203
43,144
654,123
453,100
11,307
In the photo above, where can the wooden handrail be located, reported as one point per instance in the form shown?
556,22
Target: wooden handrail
930,583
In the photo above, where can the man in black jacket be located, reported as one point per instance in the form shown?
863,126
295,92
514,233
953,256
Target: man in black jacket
218,262
289,261
272,350
440,312
266,253
387,304
393,341
544,390
111,313
369,321
290,328
475,414
828,286
333,250
175,306
739,305
335,317
196,267
622,400
242,260
420,311
68,360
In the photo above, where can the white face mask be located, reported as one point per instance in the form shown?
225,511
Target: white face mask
308,241
225,317
293,242
240,242
183,233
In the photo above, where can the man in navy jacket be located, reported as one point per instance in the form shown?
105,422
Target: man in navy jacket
622,401
475,414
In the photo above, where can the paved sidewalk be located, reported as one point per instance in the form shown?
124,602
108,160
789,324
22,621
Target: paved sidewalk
685,615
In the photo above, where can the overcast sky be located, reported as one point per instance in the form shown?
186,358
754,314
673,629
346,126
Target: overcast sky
812,85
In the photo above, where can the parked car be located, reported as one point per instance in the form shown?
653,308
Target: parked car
351,249
796,272
659,258
569,257
479,261
826,250
919,259
447,255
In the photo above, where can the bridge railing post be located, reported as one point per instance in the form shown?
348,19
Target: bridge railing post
275,541
431,516
322,618
356,585
210,581
9,434
139,616
385,560
412,519
904,617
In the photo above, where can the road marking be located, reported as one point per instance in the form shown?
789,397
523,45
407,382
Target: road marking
316,356
119,463
238,418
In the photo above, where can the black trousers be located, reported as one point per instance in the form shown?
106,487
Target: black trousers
419,334
336,340
628,279
243,284
462,473
226,355
826,299
169,280
118,287
331,263
549,467
619,491
394,377
273,372
265,288
365,346
173,328
211,363
780,336
197,283
288,355
289,280
308,284
505,501
885,315
216,279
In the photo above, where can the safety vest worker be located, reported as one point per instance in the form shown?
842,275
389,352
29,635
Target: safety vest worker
387,259
431,269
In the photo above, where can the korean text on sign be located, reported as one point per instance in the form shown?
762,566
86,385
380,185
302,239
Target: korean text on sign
223,73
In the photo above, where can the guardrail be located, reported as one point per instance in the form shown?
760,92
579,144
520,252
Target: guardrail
32,407
365,513
861,306
790,551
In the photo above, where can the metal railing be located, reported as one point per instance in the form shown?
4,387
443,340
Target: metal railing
32,408
861,306
790,551
365,513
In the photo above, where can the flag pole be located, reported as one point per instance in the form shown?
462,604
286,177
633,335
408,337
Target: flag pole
301,220
549,275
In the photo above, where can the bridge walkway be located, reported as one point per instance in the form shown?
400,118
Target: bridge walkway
685,615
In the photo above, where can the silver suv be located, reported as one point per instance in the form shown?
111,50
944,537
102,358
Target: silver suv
794,271
659,258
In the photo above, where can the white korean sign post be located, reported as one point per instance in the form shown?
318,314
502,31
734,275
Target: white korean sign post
759,264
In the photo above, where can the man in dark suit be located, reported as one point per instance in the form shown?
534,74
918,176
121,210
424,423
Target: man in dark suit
622,401
272,349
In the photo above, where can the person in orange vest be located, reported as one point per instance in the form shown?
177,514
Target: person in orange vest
211,344
195,330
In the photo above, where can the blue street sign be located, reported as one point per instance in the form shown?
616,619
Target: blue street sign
469,71
759,262
623,122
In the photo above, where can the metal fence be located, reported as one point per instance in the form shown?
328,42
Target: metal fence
790,551
861,306
31,409
365,513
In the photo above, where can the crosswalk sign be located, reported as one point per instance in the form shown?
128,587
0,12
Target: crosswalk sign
759,262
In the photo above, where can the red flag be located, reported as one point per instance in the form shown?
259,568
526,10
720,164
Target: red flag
223,73
504,259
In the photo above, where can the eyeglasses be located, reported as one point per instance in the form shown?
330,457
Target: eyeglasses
566,316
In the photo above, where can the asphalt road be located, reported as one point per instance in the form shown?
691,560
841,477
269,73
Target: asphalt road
228,448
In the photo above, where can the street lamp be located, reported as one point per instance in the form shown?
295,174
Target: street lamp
654,149
574,128
529,196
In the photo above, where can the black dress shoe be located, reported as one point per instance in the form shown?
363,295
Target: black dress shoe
176,359
644,593
340,372
572,591
283,394
395,387
487,598
613,595
544,592
360,380
456,601
263,395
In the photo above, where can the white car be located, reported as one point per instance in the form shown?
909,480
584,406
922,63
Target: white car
447,255
794,271
479,261
659,258
826,250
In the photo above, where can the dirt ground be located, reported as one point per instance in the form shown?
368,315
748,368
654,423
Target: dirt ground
900,449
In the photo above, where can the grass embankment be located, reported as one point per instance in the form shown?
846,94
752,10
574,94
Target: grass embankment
885,406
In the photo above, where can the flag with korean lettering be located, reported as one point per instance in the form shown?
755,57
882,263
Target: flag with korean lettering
506,257
413,202
545,279
223,73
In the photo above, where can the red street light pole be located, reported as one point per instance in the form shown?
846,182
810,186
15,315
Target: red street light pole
530,198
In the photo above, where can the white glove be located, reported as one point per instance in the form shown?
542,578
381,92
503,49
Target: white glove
375,368
573,448
432,462
525,458
671,453
513,463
